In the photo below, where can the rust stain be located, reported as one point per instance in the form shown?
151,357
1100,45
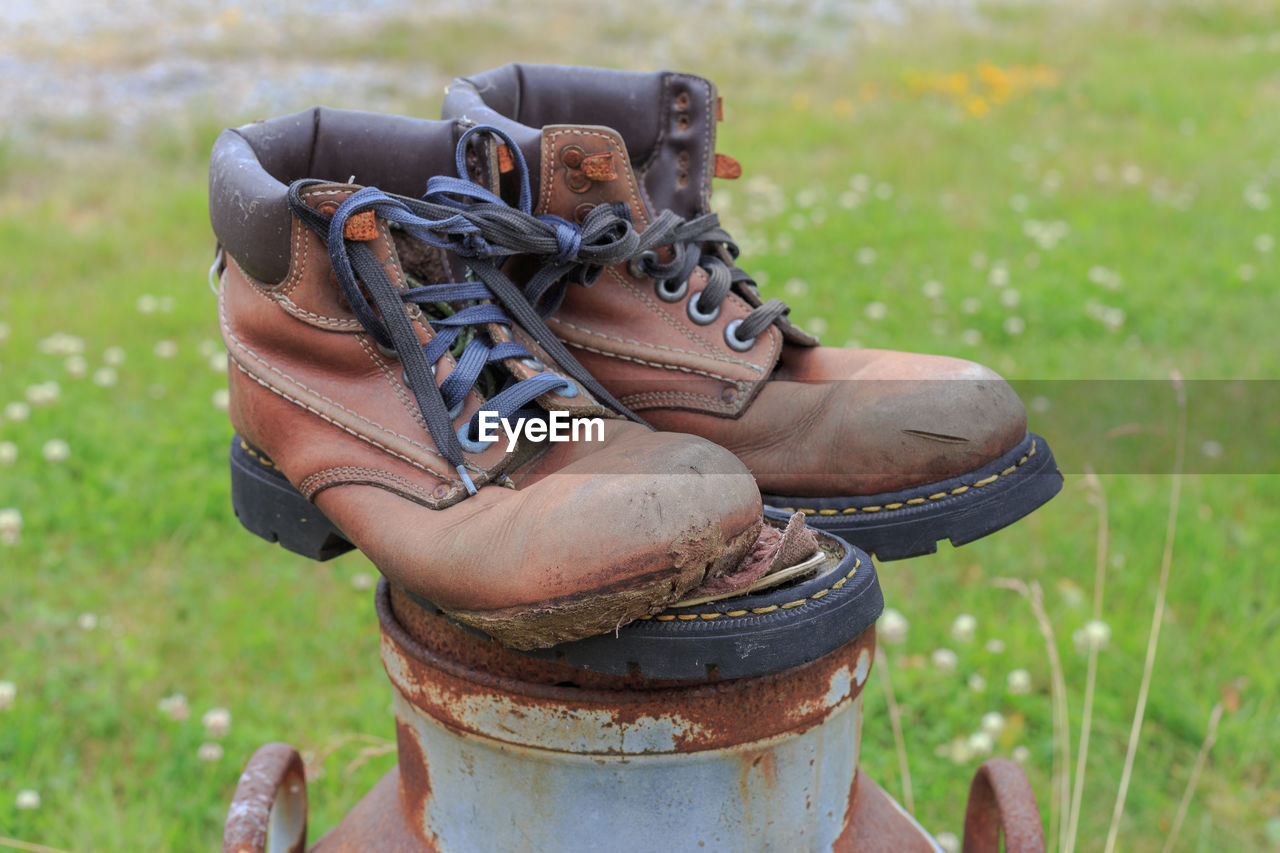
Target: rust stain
599,167
362,227
727,167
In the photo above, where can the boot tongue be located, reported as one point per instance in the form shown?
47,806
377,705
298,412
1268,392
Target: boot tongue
581,166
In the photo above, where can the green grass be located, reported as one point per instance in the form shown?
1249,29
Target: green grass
135,526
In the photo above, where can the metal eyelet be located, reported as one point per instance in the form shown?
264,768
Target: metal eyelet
467,444
736,343
570,392
636,266
667,293
386,350
696,314
533,364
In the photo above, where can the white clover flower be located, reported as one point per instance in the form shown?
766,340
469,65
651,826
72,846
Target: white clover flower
60,343
147,304
1095,634
1246,272
971,305
817,326
866,256
807,197
1211,449
44,393
209,752
1010,298
977,683
10,521
884,191
76,366
849,199
797,222
980,743
166,349
362,581
87,621
1131,174
1019,682
27,800
1256,197
795,287
995,646
1264,243
55,450
944,659
860,183
1021,754
8,694
948,842
221,399
1102,173
876,311
931,289
8,453
1014,325
963,626
993,723
818,215
216,722
1019,203
113,356
4,332
999,276
174,707
892,627
971,337
978,260
105,377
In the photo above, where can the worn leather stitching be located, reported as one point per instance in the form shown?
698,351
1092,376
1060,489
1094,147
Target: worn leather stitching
329,477
713,356
759,611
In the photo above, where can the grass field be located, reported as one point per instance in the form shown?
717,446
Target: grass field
1063,192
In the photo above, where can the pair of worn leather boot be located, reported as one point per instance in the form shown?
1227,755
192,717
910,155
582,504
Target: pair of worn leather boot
544,260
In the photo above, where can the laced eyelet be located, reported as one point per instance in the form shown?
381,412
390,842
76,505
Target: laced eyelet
533,364
667,293
696,314
736,343
468,445
570,392
637,265
386,350
455,411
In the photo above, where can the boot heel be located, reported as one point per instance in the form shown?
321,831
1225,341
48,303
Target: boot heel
269,506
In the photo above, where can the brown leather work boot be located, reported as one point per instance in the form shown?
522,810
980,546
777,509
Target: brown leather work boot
360,369
894,451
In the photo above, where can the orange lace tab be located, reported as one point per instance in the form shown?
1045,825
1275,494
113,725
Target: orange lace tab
719,108
599,167
727,167
506,162
362,227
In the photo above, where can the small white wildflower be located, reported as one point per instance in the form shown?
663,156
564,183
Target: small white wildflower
860,183
362,581
1021,754
1019,682
8,453
978,260
993,723
1246,272
1014,325
999,276
55,450
209,752
1097,633
807,197
1039,404
1010,298
216,722
10,522
105,377
932,289
797,222
1019,203
944,659
76,366
167,304
893,626
948,842
980,743
866,256
1211,449
147,304
795,287
971,305
113,356
166,349
1050,183
963,626
849,199
1102,173
27,800
884,191
44,393
60,343
87,621
1256,197
174,707
818,215
783,243
8,693
817,326
938,326
977,683
1264,243
876,311
971,337
209,346
995,646
1131,174
221,399
4,332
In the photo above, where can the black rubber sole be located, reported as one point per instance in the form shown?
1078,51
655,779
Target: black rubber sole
269,506
738,637
910,523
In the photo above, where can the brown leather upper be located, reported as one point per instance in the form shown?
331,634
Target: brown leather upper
631,521
807,420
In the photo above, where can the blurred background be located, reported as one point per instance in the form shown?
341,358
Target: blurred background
1064,191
